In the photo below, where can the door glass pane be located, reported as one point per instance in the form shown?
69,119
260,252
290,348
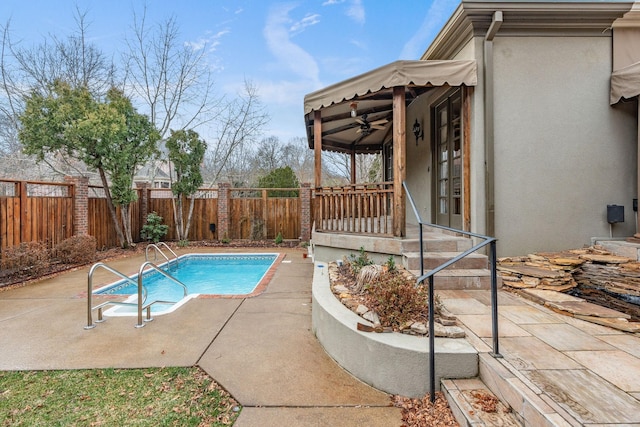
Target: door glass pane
444,170
444,187
444,208
457,206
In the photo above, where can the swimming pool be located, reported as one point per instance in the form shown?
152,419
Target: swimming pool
210,274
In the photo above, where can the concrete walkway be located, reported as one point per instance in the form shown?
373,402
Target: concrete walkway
556,370
260,349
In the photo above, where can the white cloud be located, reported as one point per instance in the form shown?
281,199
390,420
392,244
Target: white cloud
356,12
208,41
435,18
355,9
307,21
289,54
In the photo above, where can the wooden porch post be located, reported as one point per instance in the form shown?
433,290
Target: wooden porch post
637,234
317,147
353,166
399,160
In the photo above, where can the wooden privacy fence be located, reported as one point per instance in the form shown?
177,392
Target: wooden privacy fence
100,224
205,212
32,211
264,213
51,212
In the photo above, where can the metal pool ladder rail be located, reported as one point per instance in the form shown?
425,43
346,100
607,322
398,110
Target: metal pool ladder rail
142,293
156,248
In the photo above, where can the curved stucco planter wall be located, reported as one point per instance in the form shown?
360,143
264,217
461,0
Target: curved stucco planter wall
392,362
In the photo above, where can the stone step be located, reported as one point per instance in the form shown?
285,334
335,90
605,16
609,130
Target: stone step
461,279
520,395
474,405
437,242
411,260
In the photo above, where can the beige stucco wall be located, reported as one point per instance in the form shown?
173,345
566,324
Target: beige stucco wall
561,152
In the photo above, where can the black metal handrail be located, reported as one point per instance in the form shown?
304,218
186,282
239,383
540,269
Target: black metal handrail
486,240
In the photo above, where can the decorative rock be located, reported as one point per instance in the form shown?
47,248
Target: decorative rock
406,325
446,322
605,259
419,328
361,309
448,331
340,289
372,317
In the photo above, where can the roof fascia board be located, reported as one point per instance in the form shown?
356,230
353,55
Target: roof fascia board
472,18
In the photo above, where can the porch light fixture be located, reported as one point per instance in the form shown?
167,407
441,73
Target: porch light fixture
354,109
417,131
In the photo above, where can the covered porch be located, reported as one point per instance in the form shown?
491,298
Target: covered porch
367,114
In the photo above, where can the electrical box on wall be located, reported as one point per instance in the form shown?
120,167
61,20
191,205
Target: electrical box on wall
615,213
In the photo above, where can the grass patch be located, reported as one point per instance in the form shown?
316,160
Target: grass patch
106,397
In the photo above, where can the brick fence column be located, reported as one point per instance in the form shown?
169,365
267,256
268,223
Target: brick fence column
80,204
305,212
144,200
224,194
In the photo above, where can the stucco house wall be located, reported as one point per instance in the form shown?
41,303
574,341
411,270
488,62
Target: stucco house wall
561,152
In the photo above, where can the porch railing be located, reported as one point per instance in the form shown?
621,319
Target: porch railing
484,241
356,208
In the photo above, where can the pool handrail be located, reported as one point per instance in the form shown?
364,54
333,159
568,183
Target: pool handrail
94,267
142,293
156,247
140,286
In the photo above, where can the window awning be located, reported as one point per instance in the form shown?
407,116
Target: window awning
625,83
398,73
372,93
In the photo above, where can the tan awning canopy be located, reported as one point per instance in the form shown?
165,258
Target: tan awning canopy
372,94
625,83
398,73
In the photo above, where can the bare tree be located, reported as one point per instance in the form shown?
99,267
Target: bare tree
240,123
169,77
338,167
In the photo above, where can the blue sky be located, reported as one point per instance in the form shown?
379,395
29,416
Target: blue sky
287,49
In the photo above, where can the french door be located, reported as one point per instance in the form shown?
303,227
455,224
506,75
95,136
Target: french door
448,161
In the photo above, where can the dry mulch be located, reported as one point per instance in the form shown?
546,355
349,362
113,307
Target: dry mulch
422,413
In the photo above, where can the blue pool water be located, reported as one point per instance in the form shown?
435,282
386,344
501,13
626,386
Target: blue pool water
218,274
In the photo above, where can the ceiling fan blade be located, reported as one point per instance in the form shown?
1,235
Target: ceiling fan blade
362,122
377,127
378,122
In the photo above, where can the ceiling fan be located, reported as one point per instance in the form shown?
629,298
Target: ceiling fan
366,126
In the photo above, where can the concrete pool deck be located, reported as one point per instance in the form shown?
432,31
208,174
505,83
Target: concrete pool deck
260,349
556,370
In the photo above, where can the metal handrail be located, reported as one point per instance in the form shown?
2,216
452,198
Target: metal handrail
140,286
486,240
142,293
94,267
157,249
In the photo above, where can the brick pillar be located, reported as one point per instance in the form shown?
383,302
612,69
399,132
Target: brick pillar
305,212
224,195
80,204
144,200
